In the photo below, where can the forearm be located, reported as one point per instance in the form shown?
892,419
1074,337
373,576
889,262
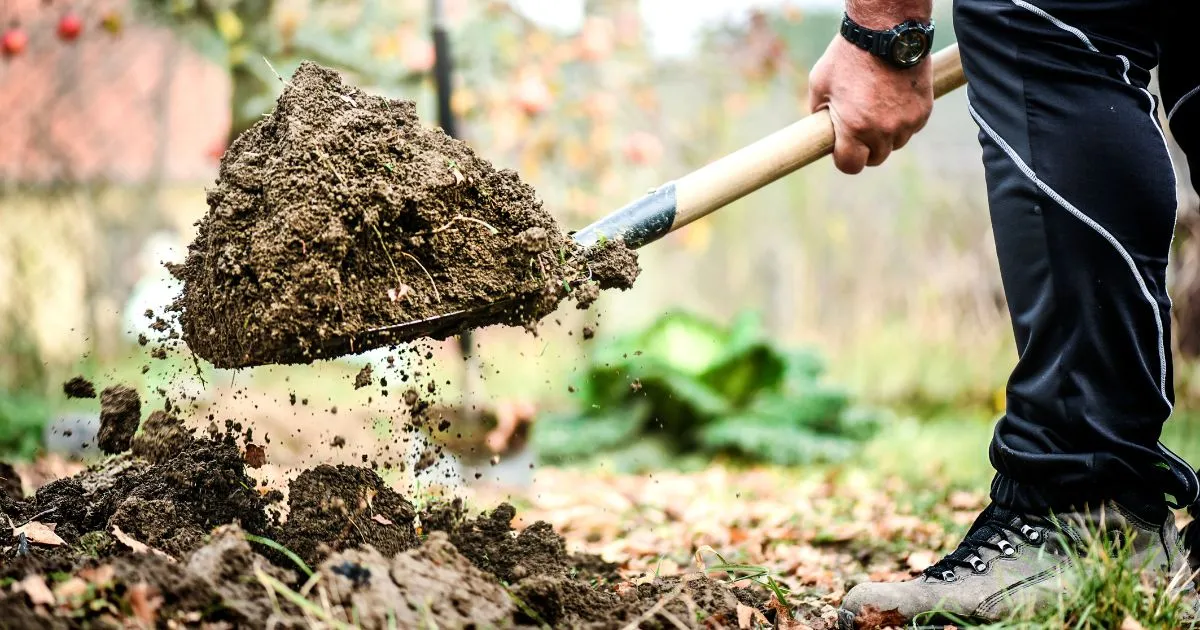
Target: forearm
882,14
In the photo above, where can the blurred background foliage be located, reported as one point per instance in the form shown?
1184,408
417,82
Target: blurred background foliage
112,134
687,390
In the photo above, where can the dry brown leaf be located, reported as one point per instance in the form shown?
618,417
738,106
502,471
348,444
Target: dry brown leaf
102,575
135,545
39,533
920,560
744,615
872,618
1131,624
255,456
145,601
381,519
74,588
35,588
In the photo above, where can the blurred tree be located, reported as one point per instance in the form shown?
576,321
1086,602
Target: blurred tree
377,42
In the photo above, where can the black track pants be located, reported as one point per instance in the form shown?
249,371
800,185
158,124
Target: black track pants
1083,202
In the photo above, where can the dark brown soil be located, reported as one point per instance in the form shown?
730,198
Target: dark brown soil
213,557
79,387
340,213
120,414
332,508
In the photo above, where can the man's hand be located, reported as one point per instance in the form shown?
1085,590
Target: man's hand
875,107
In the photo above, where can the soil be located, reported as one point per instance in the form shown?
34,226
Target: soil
120,414
79,387
339,214
172,533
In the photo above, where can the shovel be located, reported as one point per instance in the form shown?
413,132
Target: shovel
697,194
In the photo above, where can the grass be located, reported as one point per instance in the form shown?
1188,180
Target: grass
1108,589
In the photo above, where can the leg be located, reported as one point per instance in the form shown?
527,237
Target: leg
1082,196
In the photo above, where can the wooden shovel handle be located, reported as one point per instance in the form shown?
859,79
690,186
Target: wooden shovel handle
740,173
678,203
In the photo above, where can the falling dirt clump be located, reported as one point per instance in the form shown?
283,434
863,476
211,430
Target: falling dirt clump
120,413
79,387
363,378
340,213
332,508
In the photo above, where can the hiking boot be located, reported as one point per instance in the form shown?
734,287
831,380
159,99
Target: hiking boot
1009,562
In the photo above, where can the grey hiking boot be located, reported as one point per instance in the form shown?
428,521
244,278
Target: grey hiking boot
1009,562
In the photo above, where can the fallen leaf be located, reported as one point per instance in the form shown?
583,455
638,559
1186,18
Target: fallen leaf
1131,624
135,545
39,533
382,520
255,456
744,615
35,588
74,588
920,560
145,601
872,618
102,575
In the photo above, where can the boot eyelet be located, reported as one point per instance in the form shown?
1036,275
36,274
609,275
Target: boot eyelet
948,576
1006,548
979,566
1032,535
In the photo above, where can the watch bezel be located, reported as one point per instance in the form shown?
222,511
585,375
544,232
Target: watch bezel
899,32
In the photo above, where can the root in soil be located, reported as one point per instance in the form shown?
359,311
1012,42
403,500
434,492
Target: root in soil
340,213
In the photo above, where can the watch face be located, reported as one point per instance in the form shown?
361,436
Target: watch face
909,45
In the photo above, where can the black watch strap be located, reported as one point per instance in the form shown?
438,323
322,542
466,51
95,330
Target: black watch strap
874,42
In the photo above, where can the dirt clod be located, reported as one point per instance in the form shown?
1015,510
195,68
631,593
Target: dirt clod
363,378
331,508
120,414
79,387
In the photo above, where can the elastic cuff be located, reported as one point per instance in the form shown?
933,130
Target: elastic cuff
1034,499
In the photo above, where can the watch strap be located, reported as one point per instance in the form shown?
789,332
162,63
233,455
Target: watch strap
875,42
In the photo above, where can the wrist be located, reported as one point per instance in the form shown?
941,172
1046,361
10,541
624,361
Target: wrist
884,14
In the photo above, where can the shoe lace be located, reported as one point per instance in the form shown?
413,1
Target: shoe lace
994,523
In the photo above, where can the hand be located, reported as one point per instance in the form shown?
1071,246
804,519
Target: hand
875,107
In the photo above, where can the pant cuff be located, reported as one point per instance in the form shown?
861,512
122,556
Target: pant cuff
1044,499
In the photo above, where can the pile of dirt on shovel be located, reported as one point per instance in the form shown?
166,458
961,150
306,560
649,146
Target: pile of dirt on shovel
176,533
340,213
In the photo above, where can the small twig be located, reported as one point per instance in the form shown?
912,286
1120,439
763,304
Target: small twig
277,75
325,158
458,217
436,295
636,623
382,246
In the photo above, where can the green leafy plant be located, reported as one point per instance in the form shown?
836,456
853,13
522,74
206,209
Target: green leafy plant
687,386
22,421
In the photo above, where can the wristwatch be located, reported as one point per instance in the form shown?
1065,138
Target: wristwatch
903,45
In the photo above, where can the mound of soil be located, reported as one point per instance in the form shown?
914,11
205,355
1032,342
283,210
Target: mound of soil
162,541
120,414
339,214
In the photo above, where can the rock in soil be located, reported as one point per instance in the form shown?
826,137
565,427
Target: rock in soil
79,387
332,508
339,213
120,414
